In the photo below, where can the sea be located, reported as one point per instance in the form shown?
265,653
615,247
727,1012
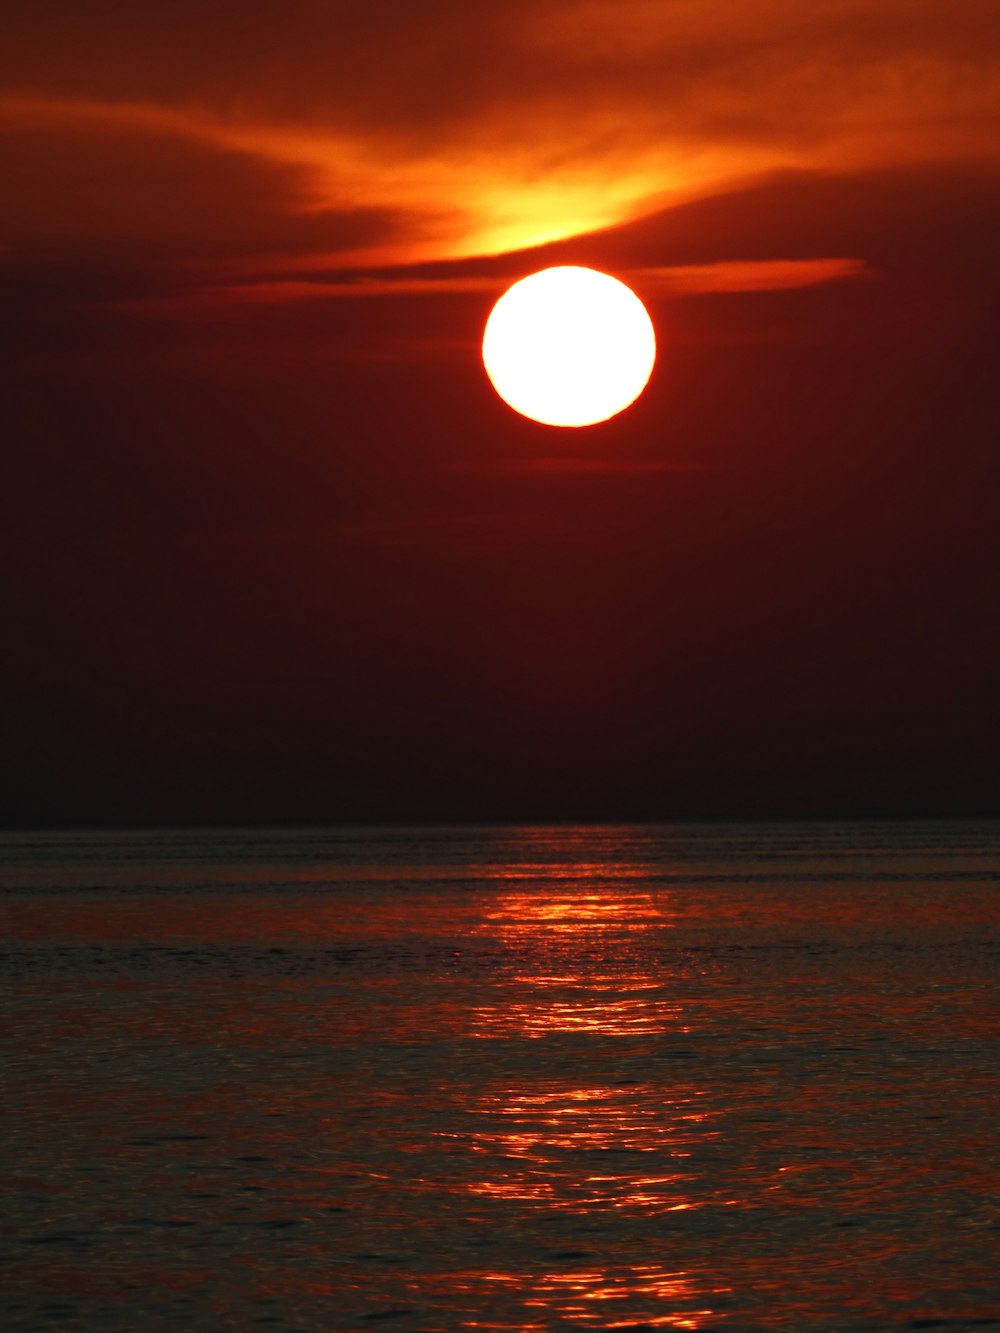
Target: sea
702,1076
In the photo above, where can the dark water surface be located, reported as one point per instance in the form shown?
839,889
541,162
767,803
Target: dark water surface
673,1076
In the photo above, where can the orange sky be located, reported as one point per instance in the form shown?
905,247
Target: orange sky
391,132
275,548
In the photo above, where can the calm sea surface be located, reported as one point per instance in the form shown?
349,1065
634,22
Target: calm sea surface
607,1077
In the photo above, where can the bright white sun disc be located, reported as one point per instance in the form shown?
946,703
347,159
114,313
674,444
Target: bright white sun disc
569,346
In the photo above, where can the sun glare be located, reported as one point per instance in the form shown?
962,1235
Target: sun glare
569,346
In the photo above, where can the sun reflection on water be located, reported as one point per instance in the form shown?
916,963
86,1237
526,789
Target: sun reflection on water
565,912
560,1143
587,1294
546,1085
594,1148
574,941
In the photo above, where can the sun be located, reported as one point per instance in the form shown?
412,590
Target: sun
569,346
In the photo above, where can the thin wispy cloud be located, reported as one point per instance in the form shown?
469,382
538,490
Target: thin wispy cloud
510,125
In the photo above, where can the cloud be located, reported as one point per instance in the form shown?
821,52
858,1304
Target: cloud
84,180
761,275
678,280
497,126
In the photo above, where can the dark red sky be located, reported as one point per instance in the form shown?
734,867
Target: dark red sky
274,548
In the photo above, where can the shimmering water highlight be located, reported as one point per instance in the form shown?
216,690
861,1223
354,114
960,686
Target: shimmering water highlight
695,1077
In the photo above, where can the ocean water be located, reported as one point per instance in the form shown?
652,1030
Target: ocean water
716,1076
